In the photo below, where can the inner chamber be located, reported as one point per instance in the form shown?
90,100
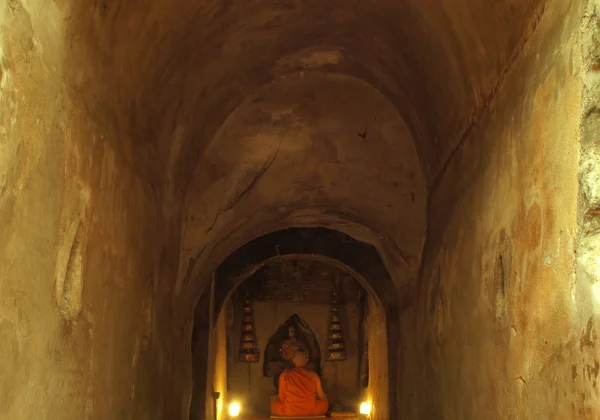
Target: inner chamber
263,308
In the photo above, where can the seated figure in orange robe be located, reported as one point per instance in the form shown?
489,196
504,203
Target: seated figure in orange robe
300,391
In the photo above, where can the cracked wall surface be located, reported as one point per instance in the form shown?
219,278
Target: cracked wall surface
585,364
499,329
305,152
179,69
76,304
141,144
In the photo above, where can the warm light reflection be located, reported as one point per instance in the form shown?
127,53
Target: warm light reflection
234,409
596,292
219,408
365,408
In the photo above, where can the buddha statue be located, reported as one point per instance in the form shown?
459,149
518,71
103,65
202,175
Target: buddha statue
283,345
291,344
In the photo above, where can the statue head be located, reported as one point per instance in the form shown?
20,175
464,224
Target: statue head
300,357
291,331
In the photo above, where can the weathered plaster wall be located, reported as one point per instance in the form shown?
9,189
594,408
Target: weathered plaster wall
202,399
246,381
377,388
88,248
502,330
585,363
83,245
220,378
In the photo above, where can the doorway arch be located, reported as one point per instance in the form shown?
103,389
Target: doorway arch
359,259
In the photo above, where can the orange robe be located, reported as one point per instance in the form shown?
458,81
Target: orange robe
298,388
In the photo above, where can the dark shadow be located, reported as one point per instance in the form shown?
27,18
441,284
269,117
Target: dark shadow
200,353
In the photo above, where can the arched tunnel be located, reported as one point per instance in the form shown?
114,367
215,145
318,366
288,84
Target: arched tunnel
176,176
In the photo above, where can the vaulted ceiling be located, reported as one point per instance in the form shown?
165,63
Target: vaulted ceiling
176,70
270,114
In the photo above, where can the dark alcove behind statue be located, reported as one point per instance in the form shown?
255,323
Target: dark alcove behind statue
274,362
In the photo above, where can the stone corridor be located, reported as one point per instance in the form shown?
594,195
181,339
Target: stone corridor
434,162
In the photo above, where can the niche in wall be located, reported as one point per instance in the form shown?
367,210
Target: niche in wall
499,287
69,275
296,292
502,270
297,330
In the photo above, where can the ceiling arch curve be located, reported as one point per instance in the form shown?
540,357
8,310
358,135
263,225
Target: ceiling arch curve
359,259
191,284
166,75
305,150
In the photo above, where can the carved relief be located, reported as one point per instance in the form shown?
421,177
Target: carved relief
336,347
249,351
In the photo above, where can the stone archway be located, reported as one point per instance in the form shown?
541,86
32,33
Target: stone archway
359,259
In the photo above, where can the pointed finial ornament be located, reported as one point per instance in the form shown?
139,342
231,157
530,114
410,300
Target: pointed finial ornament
249,352
335,341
